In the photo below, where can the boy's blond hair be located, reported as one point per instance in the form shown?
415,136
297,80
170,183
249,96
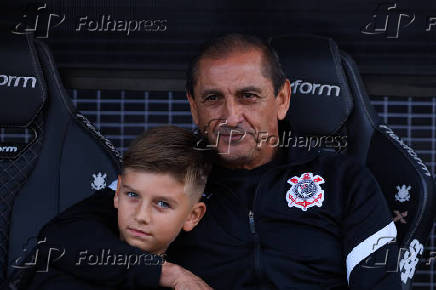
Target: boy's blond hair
171,150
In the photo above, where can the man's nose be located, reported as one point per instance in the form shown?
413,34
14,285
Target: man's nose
143,213
233,112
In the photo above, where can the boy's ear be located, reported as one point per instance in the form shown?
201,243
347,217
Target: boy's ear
117,192
197,212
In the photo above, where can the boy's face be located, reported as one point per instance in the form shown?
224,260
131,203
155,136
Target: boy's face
153,208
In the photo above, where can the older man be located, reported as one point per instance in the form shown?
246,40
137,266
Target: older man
276,219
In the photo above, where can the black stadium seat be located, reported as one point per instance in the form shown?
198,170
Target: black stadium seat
329,102
64,160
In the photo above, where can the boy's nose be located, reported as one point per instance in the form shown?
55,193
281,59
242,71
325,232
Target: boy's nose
143,213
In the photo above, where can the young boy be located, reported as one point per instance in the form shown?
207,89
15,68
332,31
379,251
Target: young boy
158,195
159,189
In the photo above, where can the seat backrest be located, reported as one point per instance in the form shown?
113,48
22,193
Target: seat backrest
63,162
329,102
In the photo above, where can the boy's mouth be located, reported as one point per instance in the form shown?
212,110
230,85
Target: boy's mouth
137,232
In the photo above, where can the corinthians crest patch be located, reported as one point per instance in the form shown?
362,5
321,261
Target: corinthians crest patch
305,191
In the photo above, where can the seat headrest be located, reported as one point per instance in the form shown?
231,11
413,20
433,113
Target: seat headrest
320,98
22,87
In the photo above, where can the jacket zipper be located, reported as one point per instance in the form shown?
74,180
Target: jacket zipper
251,221
257,266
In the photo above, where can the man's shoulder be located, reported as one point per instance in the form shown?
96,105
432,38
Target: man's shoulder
107,191
336,160
342,171
55,279
99,199
97,207
322,161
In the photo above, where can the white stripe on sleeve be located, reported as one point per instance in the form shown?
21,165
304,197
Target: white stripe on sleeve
369,246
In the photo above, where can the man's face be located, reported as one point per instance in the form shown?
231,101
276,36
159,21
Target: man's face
152,209
234,105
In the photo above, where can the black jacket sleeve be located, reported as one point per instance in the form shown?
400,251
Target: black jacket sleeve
378,270
369,235
84,241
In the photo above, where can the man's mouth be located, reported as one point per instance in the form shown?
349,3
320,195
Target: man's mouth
137,232
230,131
238,132
231,137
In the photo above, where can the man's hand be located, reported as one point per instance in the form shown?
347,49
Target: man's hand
179,278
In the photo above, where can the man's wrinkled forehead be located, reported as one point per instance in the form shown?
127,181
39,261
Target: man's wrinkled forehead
239,68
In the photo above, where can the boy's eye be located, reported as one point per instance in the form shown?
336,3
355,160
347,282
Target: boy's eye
131,194
163,204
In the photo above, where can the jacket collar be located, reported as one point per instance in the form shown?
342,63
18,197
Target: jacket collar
296,155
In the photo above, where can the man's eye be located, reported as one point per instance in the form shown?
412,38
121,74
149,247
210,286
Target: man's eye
163,204
248,96
211,98
131,194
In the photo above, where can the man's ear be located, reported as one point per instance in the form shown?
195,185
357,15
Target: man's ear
194,108
197,212
283,99
117,192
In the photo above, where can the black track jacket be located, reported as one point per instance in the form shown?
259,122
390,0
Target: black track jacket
306,220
